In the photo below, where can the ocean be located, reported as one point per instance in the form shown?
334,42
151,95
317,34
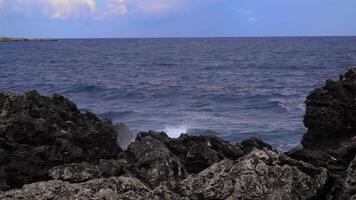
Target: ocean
234,88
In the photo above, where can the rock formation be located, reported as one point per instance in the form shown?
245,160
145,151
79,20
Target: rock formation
38,133
58,152
330,141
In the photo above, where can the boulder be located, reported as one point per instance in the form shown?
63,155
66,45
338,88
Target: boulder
38,133
261,174
153,163
197,152
331,113
330,141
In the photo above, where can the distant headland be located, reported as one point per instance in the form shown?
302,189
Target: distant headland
10,39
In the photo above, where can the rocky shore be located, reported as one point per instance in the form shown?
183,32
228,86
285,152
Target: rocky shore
51,150
8,39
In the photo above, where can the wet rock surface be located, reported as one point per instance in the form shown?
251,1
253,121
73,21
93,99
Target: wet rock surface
76,155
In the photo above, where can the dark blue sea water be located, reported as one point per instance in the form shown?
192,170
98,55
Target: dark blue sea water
231,87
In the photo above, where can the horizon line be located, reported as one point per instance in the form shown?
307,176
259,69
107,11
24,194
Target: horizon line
180,37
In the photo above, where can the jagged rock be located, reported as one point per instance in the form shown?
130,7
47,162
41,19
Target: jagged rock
127,188
331,113
38,133
262,174
153,163
109,168
124,135
330,141
197,152
254,143
350,182
75,172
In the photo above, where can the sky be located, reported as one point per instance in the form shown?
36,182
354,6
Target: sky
176,18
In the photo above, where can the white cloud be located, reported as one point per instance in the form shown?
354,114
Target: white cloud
252,18
117,6
58,9
154,6
97,9
248,14
61,9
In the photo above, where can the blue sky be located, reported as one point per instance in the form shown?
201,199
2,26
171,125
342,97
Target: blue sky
176,18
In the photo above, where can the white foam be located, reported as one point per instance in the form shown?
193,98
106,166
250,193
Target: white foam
176,131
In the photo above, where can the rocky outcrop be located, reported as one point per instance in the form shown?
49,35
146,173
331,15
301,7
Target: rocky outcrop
262,174
105,188
75,155
38,133
331,113
153,162
330,141
197,152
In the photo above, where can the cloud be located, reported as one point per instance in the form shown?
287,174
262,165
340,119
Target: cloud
56,9
248,14
154,6
252,18
117,6
112,8
97,9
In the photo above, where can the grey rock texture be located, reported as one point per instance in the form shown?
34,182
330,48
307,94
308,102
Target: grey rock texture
262,174
197,152
114,188
75,172
350,182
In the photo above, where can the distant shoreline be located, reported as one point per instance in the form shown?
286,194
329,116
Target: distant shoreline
8,39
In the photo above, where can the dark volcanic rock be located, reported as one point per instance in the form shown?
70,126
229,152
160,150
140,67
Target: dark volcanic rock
253,144
331,113
38,133
330,141
153,162
197,152
109,168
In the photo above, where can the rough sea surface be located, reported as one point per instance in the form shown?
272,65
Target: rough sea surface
234,88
